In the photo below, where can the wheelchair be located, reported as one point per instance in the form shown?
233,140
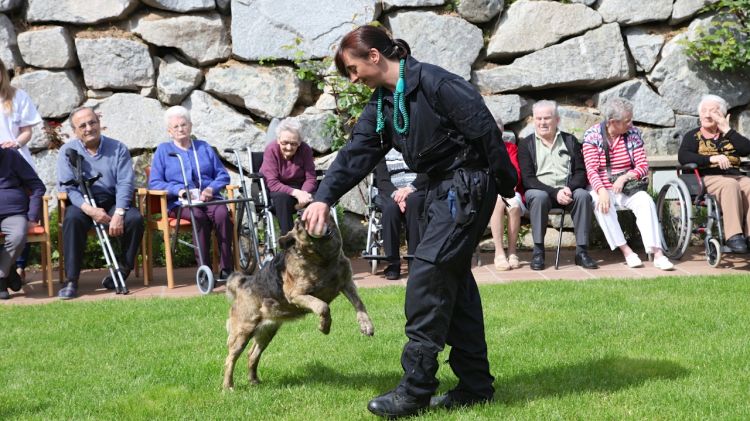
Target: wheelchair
374,248
684,209
254,221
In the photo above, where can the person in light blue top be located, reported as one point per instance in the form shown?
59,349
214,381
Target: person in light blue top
113,194
206,177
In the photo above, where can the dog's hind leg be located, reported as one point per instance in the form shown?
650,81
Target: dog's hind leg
318,307
263,336
239,336
365,324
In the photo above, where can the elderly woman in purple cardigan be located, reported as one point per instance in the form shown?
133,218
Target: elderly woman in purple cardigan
289,170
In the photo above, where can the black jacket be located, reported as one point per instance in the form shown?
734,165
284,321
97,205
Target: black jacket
527,162
732,144
450,128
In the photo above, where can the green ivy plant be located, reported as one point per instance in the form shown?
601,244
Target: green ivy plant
724,44
351,98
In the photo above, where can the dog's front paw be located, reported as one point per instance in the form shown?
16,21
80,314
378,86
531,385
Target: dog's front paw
365,325
325,324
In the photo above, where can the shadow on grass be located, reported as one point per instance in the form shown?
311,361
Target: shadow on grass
317,373
603,375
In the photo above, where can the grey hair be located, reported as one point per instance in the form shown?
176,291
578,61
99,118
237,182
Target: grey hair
290,125
616,109
723,106
176,111
78,110
545,103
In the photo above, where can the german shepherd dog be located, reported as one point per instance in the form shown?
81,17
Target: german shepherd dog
304,277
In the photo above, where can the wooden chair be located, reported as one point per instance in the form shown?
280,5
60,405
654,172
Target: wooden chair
62,200
41,234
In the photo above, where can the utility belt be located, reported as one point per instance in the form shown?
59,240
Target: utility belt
465,192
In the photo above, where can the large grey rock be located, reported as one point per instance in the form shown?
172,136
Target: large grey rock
46,168
600,59
682,81
314,130
279,28
355,199
685,9
8,5
78,12
508,108
48,48
135,120
666,142
632,12
531,25
390,4
39,138
181,5
9,53
175,80
743,122
480,11
202,38
574,120
220,125
433,39
644,47
648,107
265,91
54,93
115,63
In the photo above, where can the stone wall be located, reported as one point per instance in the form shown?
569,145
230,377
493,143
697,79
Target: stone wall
132,59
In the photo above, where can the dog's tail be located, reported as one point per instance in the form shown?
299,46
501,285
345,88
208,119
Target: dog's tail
234,281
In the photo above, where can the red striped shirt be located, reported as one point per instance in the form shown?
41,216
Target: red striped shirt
624,146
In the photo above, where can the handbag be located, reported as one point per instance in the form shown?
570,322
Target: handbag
632,186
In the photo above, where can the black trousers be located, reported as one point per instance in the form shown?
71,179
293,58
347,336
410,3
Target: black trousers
392,218
283,208
442,301
75,230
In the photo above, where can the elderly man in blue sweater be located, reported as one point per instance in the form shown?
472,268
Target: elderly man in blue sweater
113,194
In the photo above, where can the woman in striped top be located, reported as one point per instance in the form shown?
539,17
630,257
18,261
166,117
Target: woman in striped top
627,158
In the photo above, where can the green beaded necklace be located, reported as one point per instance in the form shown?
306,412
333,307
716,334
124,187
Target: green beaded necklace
399,105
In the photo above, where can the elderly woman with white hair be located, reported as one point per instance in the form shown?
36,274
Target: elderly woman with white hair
289,170
206,177
716,148
615,160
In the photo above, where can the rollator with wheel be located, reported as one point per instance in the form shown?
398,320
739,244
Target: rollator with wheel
81,181
204,277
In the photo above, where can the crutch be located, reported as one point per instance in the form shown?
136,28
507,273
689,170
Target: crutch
204,277
562,152
76,161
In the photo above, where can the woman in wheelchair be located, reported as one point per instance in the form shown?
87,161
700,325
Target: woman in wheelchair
289,170
401,197
614,156
716,148
206,177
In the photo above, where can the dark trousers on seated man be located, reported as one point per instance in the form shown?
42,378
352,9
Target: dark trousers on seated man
75,231
391,220
539,203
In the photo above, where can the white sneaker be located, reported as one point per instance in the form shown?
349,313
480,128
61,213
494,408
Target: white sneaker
663,263
633,261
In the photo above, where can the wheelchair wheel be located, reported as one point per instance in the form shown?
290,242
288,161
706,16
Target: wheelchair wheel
675,213
246,244
205,279
713,252
374,262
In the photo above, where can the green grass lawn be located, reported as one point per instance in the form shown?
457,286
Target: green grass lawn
663,348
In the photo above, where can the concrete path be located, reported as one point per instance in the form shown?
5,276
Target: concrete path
611,266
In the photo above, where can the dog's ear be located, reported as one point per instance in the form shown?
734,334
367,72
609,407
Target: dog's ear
287,240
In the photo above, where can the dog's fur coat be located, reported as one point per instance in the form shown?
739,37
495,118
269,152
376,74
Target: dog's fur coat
304,277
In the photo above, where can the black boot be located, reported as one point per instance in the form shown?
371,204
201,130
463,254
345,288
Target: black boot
4,295
395,404
457,399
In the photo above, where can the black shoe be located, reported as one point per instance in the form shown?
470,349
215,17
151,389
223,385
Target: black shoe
737,244
4,295
583,259
14,280
537,261
394,405
69,290
108,283
453,400
224,274
393,272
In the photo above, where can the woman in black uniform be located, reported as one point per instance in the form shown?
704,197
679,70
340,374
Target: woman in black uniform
440,124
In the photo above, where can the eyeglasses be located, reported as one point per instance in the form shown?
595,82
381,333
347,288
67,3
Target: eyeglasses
180,126
292,144
91,123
